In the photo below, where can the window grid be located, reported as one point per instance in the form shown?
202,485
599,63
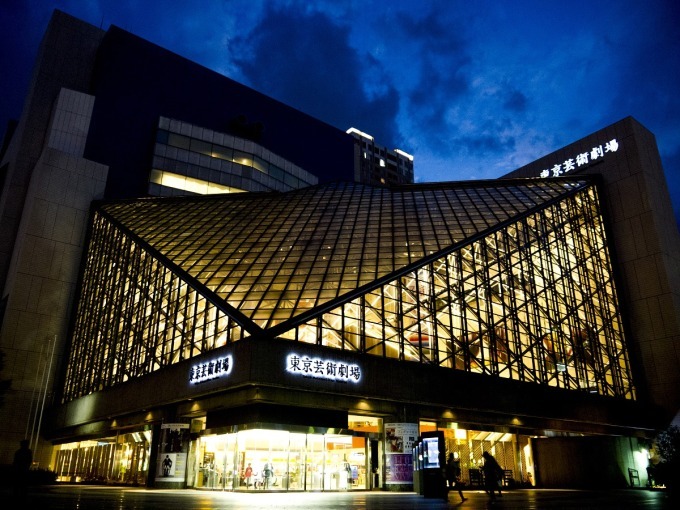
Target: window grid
510,279
547,329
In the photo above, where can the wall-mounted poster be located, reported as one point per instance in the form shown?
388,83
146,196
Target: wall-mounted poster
172,458
399,441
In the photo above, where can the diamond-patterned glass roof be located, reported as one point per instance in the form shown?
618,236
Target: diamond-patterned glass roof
511,278
274,256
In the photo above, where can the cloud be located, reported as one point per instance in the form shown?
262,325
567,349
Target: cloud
471,89
515,101
439,62
305,60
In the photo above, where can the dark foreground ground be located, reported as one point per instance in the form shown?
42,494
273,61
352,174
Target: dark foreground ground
76,497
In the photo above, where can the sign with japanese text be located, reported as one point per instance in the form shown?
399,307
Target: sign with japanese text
219,367
330,369
582,159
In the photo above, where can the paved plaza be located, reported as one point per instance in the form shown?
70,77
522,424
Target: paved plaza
63,497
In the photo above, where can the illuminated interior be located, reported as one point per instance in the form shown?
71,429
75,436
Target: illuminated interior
123,458
190,184
300,461
511,278
512,451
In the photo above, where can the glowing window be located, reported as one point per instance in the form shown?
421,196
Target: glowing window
184,183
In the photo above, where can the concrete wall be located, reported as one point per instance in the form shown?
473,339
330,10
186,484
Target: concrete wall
587,462
42,276
65,60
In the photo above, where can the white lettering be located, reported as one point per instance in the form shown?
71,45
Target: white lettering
580,159
322,369
220,367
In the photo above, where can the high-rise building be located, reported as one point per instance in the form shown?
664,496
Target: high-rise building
161,329
379,165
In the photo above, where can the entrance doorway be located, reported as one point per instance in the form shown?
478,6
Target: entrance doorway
280,460
276,460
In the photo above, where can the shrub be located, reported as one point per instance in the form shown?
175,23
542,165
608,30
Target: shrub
41,477
667,444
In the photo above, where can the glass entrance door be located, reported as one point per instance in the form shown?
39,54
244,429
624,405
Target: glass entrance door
276,460
294,479
314,463
267,453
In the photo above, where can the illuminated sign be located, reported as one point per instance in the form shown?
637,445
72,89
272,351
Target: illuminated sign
322,368
220,367
581,159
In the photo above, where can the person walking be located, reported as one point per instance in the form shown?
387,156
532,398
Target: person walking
267,473
23,460
248,475
493,474
453,476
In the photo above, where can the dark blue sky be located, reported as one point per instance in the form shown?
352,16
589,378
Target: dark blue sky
472,89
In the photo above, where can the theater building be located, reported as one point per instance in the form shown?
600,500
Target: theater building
320,331
302,333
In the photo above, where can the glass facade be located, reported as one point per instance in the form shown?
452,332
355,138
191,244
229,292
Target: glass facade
294,460
512,451
123,458
510,278
279,460
189,159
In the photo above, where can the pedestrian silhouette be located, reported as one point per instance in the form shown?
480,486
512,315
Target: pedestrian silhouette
267,472
23,459
493,474
453,476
